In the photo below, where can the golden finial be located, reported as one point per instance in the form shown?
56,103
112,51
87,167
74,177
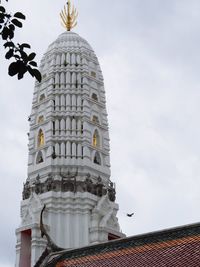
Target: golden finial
69,16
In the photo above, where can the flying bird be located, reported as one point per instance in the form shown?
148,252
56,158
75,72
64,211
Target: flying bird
130,214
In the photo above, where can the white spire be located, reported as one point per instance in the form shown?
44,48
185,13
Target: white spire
69,161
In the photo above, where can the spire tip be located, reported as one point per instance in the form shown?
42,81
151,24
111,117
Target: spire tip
69,16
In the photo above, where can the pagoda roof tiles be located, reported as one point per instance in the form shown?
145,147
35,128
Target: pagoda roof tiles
179,246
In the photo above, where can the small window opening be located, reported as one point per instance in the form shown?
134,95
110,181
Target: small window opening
59,122
54,131
97,158
54,104
76,126
94,97
65,63
76,151
95,119
93,74
40,119
42,97
82,152
71,150
39,158
54,153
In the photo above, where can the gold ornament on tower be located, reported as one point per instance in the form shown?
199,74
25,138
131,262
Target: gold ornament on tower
96,139
69,16
40,138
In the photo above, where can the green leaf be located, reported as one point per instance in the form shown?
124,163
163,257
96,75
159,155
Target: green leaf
9,44
22,46
35,73
2,17
22,68
11,27
5,33
13,69
31,56
21,73
2,9
9,54
16,23
17,57
33,63
11,34
24,56
19,15
20,76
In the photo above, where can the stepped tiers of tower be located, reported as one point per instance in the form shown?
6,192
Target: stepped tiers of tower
69,155
68,183
69,127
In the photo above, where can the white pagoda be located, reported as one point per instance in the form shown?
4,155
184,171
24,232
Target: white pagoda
69,161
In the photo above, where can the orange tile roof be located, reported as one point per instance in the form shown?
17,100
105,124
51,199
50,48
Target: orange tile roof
179,247
182,252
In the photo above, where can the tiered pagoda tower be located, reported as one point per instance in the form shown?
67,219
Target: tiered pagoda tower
69,161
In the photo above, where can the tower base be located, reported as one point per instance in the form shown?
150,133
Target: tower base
73,220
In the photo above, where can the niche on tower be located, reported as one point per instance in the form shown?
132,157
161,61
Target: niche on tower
95,119
96,139
39,158
42,97
97,158
40,139
40,119
94,97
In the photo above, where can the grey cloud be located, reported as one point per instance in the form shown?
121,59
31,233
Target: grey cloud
149,54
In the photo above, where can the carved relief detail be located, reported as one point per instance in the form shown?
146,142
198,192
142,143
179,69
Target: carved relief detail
69,183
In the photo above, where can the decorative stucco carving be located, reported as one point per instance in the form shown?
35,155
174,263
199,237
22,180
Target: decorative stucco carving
69,183
32,211
106,212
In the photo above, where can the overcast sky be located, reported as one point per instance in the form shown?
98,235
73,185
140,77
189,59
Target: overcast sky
149,55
